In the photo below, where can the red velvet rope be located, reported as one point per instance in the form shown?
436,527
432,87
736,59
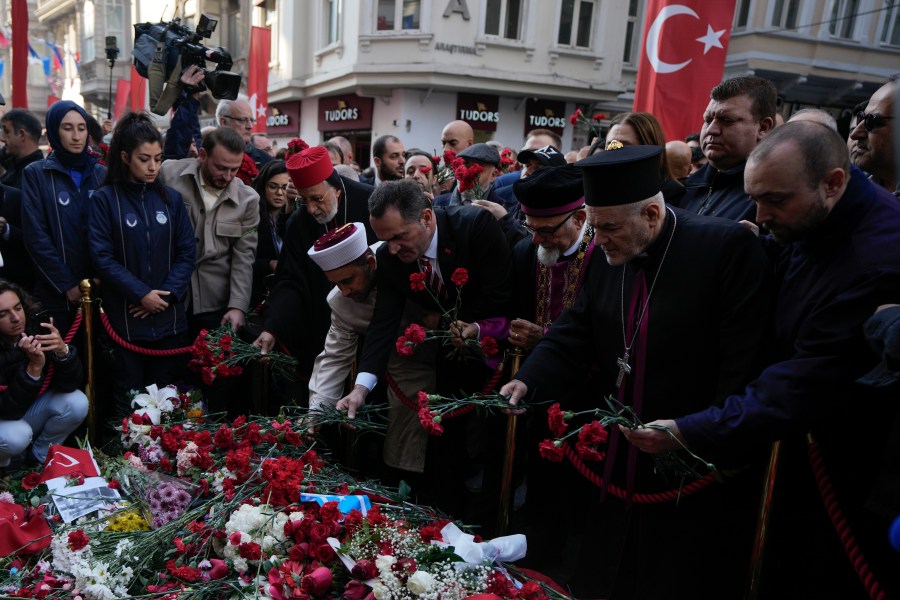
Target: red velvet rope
640,498
137,349
854,553
414,406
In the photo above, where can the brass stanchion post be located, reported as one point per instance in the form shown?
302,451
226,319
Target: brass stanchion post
762,522
506,483
87,315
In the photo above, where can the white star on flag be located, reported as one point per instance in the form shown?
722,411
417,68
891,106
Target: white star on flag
711,39
261,111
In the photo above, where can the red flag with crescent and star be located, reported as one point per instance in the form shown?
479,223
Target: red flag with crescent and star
682,59
258,75
62,460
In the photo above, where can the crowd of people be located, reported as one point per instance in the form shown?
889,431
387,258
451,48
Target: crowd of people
734,289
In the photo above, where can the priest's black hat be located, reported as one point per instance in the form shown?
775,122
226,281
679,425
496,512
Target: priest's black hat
551,191
623,176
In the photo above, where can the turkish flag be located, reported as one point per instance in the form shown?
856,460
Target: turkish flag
682,59
20,534
258,75
123,90
62,460
138,90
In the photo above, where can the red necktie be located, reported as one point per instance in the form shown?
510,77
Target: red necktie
432,279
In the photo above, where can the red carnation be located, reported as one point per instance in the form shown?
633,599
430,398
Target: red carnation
551,451
588,454
250,551
417,282
415,333
425,170
431,422
404,347
593,433
460,277
557,420
364,569
573,119
248,170
423,400
599,117
489,346
532,591
78,539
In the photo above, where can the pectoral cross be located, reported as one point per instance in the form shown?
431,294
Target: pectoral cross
624,369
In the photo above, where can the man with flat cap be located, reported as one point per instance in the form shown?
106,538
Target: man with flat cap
297,312
676,316
482,194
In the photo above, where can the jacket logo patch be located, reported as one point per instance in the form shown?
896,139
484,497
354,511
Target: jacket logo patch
161,217
131,220
63,198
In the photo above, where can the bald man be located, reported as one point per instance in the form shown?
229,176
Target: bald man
239,115
346,147
678,154
816,115
457,136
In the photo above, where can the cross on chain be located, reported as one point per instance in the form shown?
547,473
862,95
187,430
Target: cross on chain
624,369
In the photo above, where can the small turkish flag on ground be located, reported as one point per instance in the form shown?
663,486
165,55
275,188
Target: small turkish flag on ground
19,534
258,75
682,59
62,460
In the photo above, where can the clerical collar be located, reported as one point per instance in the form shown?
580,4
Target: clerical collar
574,247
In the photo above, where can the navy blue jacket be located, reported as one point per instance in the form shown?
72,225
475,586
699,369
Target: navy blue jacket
185,126
54,223
140,242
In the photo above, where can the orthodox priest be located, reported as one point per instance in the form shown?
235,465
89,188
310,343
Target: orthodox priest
297,312
676,316
549,268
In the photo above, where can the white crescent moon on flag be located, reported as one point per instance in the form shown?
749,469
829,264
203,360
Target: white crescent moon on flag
653,38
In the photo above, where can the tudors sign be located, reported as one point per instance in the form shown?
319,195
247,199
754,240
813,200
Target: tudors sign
481,111
545,114
284,118
344,113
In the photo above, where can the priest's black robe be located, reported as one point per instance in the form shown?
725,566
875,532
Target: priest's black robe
709,319
297,312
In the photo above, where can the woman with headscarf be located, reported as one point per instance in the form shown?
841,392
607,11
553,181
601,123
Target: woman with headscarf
56,193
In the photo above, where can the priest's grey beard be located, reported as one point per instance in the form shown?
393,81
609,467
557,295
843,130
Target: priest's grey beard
325,218
548,256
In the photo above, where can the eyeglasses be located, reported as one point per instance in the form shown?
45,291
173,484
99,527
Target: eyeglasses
871,121
274,187
242,120
547,231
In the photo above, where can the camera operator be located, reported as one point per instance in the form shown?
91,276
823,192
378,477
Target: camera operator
233,114
25,357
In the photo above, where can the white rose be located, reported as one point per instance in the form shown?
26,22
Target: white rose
384,562
420,582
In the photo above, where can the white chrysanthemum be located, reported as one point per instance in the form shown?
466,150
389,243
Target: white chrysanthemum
420,582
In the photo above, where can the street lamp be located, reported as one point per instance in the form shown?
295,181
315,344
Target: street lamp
112,52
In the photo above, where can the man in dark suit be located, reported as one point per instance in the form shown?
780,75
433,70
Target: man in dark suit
436,242
297,312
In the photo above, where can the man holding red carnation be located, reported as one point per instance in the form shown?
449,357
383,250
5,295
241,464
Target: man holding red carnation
435,242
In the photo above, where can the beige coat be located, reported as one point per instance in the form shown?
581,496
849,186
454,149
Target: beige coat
226,238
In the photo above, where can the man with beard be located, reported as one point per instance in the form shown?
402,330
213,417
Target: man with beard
677,315
297,312
549,268
837,262
874,137
388,158
225,214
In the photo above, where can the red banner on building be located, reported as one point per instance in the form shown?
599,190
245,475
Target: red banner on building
138,91
258,75
19,54
682,59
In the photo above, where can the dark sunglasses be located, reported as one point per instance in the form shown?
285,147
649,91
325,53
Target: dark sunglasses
871,121
547,231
